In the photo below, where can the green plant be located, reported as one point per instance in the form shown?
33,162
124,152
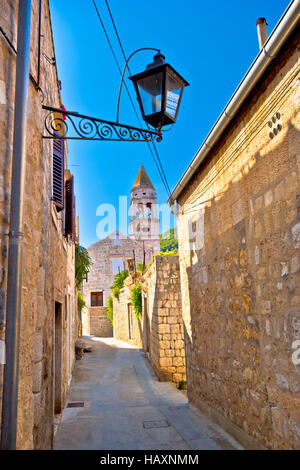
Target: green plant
110,309
119,282
80,301
162,253
182,385
169,241
139,267
136,300
82,264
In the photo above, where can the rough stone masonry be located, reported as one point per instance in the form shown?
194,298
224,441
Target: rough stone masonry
239,245
160,329
47,350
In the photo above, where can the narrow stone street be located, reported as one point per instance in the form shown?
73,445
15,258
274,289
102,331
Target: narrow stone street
127,408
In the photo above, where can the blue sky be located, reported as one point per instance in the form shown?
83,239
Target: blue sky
211,44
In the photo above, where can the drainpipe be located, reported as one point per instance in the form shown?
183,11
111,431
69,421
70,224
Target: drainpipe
16,235
262,32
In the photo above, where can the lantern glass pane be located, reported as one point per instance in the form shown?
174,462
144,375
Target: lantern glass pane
150,89
174,89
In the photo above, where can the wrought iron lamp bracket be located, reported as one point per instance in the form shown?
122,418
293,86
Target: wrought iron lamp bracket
76,126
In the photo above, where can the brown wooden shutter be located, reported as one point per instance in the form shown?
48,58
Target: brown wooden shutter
58,189
70,225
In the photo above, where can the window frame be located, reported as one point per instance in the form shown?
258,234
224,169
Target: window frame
97,293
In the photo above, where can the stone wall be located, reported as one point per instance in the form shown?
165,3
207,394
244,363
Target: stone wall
100,324
126,326
48,257
160,329
240,264
165,326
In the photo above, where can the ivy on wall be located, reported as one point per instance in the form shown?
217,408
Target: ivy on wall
119,283
82,264
136,300
80,301
110,309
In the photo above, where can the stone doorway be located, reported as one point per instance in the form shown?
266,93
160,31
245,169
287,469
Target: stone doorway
146,325
130,322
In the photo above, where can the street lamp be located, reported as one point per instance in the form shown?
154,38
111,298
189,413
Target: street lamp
159,91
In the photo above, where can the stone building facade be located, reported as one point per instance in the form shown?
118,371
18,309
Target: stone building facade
239,232
109,256
49,301
159,331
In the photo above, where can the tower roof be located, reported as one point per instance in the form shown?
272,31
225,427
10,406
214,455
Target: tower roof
142,180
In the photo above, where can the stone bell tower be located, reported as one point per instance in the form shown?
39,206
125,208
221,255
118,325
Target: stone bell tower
144,225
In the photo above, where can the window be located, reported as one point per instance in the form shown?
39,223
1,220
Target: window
58,166
117,265
96,299
140,209
117,239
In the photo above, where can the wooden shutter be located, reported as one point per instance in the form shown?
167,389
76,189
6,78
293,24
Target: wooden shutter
58,189
70,225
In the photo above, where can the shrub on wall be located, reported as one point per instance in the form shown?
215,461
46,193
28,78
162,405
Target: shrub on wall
164,253
80,301
119,283
169,241
140,267
110,309
82,264
136,300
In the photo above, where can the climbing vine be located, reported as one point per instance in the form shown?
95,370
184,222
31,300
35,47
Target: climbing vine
82,264
119,282
136,300
110,309
80,301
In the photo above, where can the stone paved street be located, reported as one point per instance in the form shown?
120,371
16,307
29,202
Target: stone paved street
127,408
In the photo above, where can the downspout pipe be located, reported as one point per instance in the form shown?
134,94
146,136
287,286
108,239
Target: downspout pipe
285,27
39,45
16,233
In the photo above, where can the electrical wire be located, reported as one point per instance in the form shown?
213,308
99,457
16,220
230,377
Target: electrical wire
124,55
158,165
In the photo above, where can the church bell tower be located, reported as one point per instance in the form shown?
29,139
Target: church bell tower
144,225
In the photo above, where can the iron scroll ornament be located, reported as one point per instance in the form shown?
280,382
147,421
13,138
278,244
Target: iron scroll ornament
76,126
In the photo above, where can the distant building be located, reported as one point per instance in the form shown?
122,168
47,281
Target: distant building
144,225
109,256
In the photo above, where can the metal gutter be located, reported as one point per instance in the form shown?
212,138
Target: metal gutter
281,32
